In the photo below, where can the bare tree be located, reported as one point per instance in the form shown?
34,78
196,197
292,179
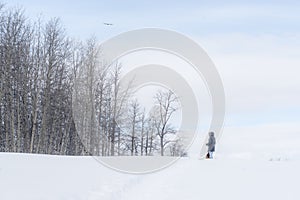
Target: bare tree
15,38
150,133
143,130
166,105
86,74
54,83
177,148
120,97
100,102
134,129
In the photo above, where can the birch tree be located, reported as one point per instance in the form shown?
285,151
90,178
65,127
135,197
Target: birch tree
166,105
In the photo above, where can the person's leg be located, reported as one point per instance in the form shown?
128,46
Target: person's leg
211,155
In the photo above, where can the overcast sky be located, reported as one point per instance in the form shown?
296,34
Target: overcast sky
254,44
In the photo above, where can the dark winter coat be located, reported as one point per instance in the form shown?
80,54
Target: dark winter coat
211,143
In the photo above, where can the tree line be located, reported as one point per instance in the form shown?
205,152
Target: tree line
58,96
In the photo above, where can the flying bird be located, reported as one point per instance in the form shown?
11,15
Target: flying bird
107,24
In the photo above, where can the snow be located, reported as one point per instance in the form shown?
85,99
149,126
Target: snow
245,168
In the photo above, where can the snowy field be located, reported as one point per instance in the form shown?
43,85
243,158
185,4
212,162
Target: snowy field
247,166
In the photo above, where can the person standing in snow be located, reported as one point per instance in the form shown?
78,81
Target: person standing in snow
211,144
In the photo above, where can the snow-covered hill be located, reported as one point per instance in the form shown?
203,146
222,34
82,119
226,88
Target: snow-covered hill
38,177
245,168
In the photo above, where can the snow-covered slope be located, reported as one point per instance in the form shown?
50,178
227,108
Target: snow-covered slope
247,166
39,177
